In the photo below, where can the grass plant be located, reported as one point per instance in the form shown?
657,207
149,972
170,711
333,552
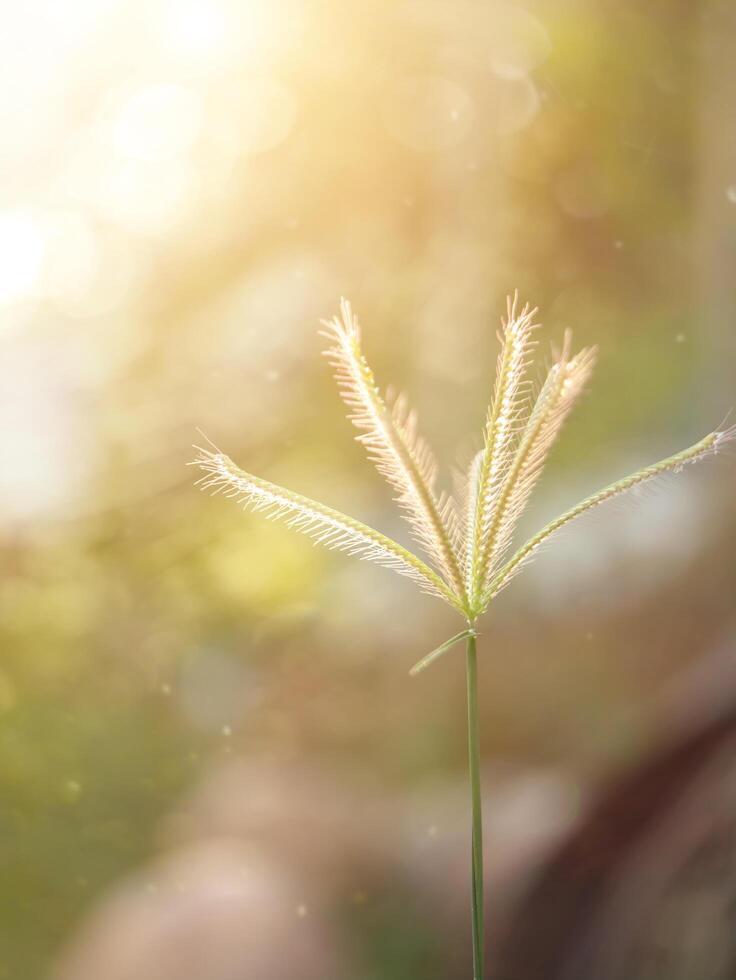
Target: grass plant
466,538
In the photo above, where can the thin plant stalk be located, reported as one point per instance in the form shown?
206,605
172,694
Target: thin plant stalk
465,540
471,660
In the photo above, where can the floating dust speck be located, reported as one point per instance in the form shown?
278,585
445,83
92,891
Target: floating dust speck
226,731
166,689
301,911
429,113
71,790
680,338
731,193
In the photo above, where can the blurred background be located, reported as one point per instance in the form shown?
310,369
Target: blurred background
212,761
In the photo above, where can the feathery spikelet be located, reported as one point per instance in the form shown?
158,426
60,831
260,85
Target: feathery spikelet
710,445
325,525
468,495
565,380
393,443
505,414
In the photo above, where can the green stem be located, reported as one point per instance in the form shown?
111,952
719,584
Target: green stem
477,824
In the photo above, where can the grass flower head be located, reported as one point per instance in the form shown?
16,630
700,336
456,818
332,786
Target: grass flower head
466,541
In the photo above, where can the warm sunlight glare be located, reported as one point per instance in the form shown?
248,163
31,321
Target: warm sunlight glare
21,255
